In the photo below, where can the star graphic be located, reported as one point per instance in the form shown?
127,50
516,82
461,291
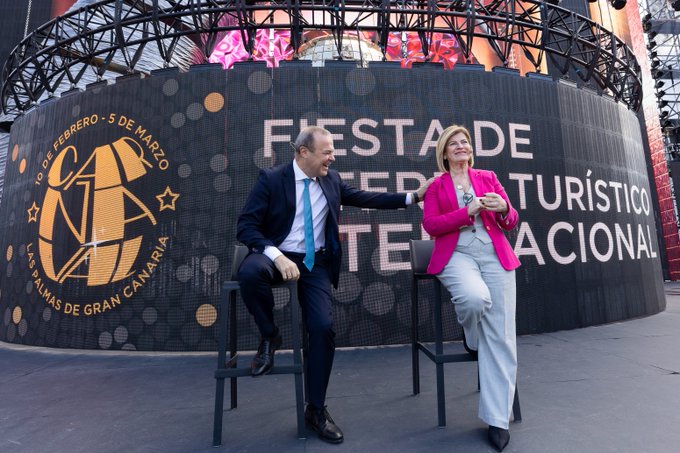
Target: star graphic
33,213
167,199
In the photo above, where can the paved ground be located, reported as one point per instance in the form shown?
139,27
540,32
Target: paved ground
612,388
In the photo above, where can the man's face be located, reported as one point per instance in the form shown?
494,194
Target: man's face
315,162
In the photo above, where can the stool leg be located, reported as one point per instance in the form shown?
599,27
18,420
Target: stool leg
516,411
305,359
297,360
219,407
415,365
439,350
221,357
233,338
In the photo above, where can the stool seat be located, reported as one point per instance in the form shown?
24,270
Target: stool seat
229,368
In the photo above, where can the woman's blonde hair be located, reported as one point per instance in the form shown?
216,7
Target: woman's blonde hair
443,164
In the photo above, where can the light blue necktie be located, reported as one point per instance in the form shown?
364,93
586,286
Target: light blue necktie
309,227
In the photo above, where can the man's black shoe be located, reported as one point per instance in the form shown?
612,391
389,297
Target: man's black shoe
499,437
321,422
264,359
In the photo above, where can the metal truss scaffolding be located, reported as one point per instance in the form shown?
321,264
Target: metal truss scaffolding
113,37
662,27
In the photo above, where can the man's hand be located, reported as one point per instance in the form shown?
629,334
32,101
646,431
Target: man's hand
288,269
421,192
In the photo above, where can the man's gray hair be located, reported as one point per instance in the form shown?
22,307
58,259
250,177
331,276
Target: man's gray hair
306,137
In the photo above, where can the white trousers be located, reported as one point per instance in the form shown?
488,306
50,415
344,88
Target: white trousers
484,296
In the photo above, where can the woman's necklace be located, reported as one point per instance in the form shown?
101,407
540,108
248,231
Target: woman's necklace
459,184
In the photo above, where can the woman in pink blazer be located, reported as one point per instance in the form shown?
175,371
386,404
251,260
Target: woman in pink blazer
466,211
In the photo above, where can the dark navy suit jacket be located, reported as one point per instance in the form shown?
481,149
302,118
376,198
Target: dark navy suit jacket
268,214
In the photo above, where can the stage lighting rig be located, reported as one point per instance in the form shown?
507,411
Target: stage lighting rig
674,155
64,57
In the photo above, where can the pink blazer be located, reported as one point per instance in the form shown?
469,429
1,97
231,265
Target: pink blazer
443,219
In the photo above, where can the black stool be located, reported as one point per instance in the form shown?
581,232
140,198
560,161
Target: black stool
229,369
421,251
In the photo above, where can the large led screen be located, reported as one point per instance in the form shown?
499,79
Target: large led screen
117,222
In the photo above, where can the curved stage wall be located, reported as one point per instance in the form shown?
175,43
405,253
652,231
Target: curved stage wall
120,202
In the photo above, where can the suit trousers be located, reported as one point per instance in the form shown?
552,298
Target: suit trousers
256,276
484,296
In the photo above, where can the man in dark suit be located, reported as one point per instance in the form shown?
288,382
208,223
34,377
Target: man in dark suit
290,225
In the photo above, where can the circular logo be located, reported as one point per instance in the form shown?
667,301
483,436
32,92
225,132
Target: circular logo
98,211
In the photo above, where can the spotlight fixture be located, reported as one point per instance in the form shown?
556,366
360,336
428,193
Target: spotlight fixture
666,123
655,64
662,103
653,54
663,114
618,4
652,44
651,35
657,74
659,84
660,93
676,5
647,22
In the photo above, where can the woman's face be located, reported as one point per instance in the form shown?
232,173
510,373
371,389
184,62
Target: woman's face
458,149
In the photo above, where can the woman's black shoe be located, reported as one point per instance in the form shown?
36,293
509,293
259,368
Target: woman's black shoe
472,352
499,437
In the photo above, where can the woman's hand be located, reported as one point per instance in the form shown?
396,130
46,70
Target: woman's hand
493,202
475,207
